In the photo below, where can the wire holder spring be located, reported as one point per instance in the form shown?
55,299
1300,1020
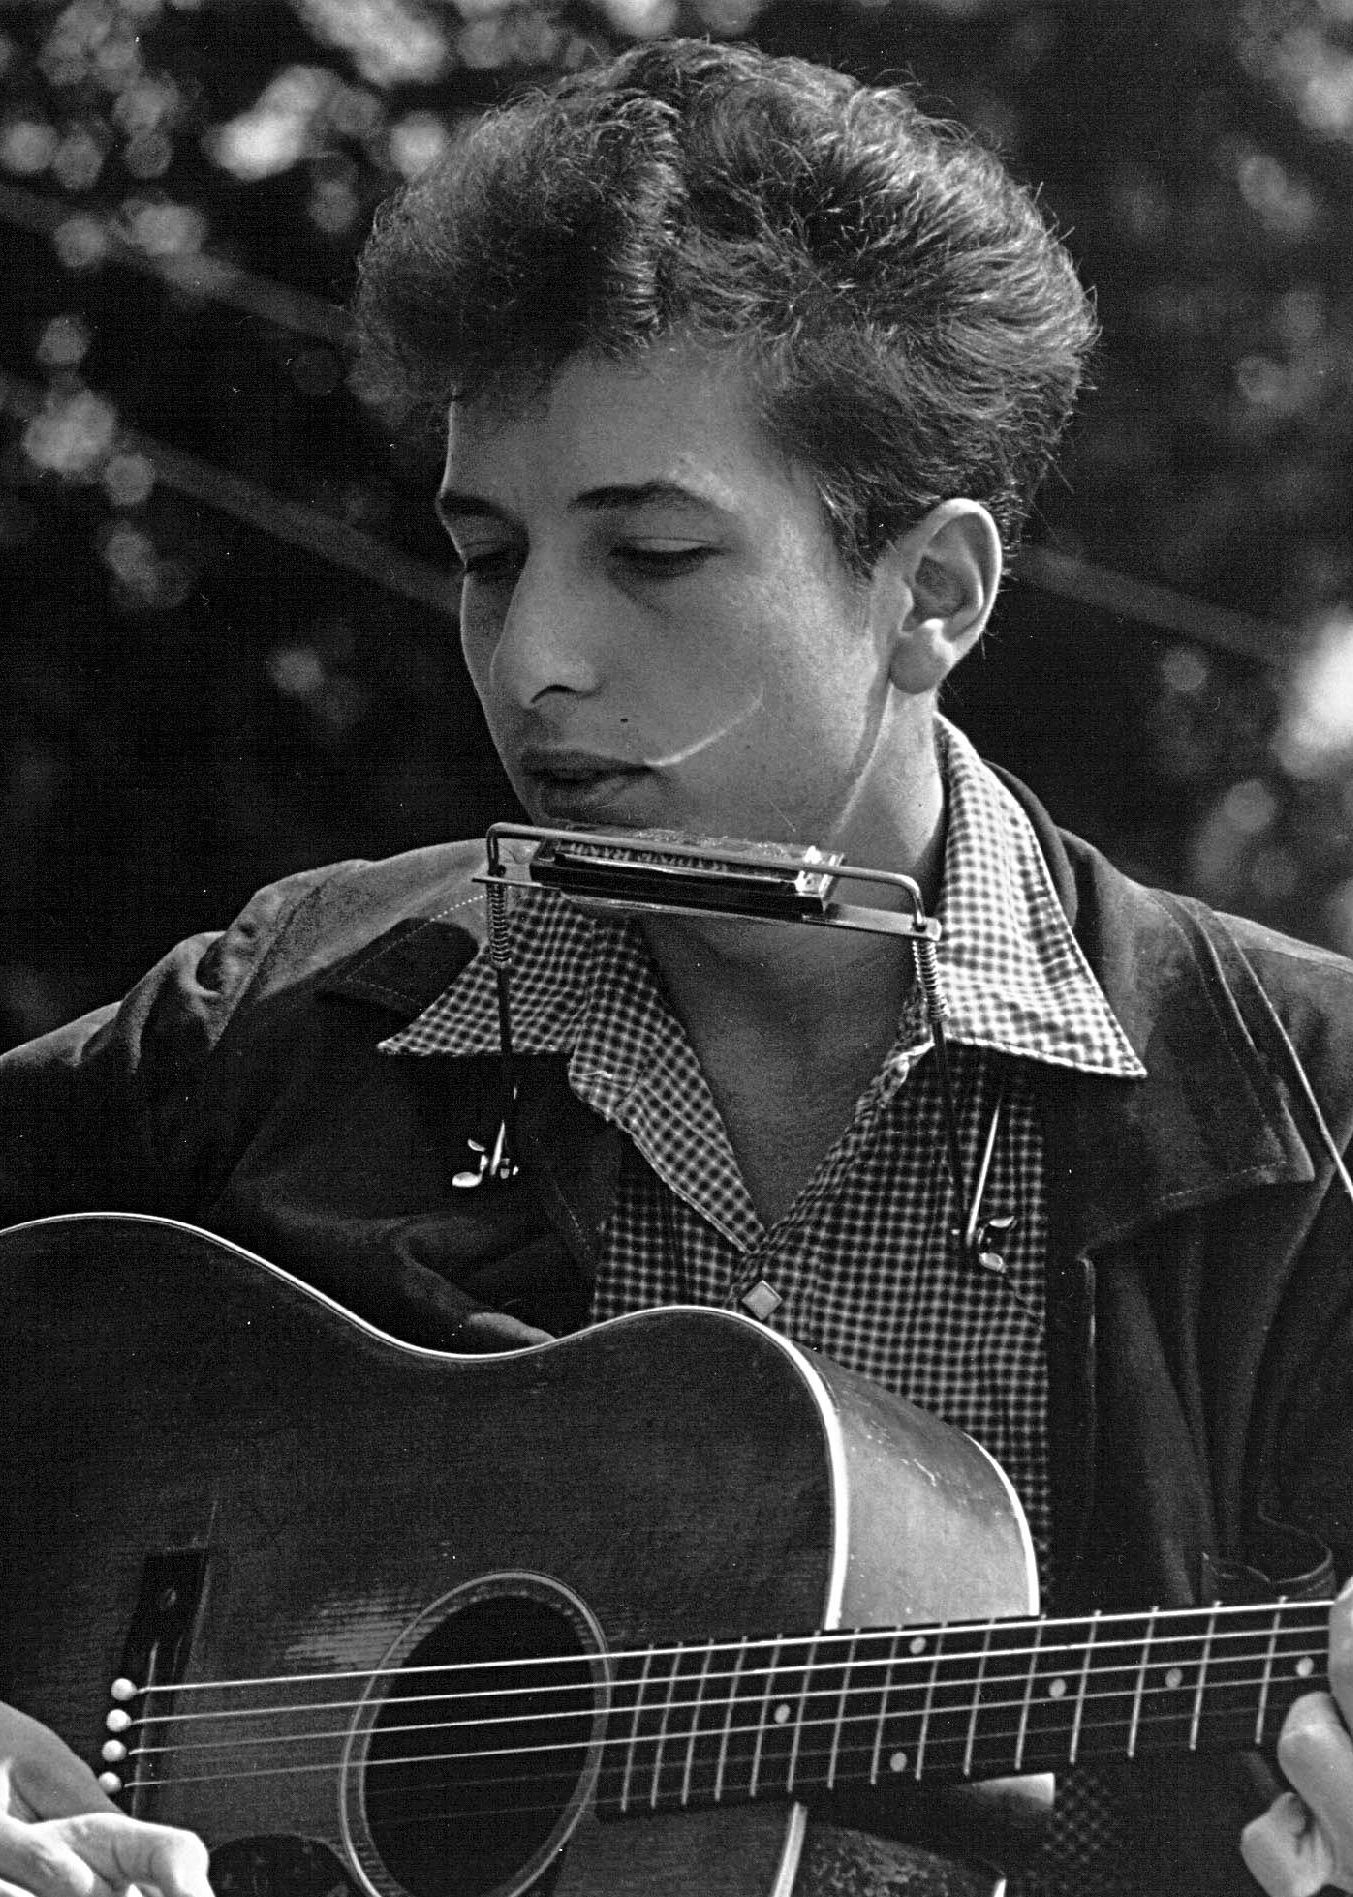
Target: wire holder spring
495,1157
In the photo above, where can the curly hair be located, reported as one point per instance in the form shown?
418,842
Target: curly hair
913,327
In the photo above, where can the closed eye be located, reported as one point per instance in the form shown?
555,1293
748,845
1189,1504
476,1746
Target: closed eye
665,559
494,563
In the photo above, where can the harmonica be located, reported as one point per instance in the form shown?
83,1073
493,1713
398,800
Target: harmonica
671,871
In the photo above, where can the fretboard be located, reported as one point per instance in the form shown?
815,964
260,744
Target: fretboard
786,1718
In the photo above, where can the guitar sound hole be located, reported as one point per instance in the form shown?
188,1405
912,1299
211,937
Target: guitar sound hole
472,1765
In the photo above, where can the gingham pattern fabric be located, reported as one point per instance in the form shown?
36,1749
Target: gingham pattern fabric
861,1261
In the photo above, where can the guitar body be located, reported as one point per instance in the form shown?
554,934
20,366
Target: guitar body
211,1472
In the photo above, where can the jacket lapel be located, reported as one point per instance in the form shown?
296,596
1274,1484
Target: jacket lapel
1211,1118
570,1155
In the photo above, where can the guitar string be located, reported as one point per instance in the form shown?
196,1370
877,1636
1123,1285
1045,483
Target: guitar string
979,1716
679,1745
675,1743
1303,1616
942,1673
653,1796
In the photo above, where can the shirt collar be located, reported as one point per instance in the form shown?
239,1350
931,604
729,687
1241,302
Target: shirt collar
1013,972
1015,975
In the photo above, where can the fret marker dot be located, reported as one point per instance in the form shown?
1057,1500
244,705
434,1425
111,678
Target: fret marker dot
1305,1667
782,1715
1056,1688
1174,1676
897,1761
917,1645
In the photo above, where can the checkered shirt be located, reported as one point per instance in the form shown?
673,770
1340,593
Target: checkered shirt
861,1261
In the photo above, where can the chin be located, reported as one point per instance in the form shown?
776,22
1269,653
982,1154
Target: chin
590,812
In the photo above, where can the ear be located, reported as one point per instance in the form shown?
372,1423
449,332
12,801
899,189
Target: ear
942,578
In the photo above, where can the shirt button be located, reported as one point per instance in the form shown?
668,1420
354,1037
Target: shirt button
761,1300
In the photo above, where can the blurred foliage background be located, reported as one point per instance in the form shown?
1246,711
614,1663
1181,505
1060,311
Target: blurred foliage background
230,642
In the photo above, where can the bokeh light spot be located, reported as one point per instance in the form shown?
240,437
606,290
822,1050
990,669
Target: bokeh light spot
72,434
81,242
416,141
129,479
64,342
1316,735
27,146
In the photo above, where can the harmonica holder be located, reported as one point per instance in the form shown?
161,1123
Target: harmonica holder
656,872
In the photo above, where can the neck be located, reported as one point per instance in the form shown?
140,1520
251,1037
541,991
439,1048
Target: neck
793,1716
804,983
778,982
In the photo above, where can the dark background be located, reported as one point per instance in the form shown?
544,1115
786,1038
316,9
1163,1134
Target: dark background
229,641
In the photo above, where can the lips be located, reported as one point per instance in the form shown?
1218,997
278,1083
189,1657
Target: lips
571,785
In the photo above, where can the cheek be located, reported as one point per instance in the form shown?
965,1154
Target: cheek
477,643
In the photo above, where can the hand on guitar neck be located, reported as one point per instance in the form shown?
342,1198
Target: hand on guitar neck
60,1836
1304,1842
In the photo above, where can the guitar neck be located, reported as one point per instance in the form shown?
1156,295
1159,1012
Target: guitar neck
788,1718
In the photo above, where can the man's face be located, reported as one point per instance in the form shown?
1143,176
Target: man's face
654,614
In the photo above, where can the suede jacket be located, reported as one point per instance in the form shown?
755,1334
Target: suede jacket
1200,1275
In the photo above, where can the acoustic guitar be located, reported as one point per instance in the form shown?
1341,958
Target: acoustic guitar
599,1617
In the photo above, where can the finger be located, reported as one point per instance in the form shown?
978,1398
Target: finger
1341,1651
1285,1850
495,1330
124,1851
1315,1752
46,1775
17,1890
42,1789
41,1860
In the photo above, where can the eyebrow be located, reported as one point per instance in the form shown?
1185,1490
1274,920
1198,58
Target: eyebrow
642,494
451,504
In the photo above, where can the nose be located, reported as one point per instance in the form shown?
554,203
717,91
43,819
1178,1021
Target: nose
548,639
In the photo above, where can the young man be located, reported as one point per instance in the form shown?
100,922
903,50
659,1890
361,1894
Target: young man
751,375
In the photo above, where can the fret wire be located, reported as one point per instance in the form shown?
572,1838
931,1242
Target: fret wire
1269,1657
728,1724
1080,1693
664,1723
926,1708
765,1720
627,1776
883,1709
695,1729
976,1703
807,1669
1025,1704
1141,1684
841,1711
1202,1681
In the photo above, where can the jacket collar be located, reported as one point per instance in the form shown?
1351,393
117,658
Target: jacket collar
1211,1119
